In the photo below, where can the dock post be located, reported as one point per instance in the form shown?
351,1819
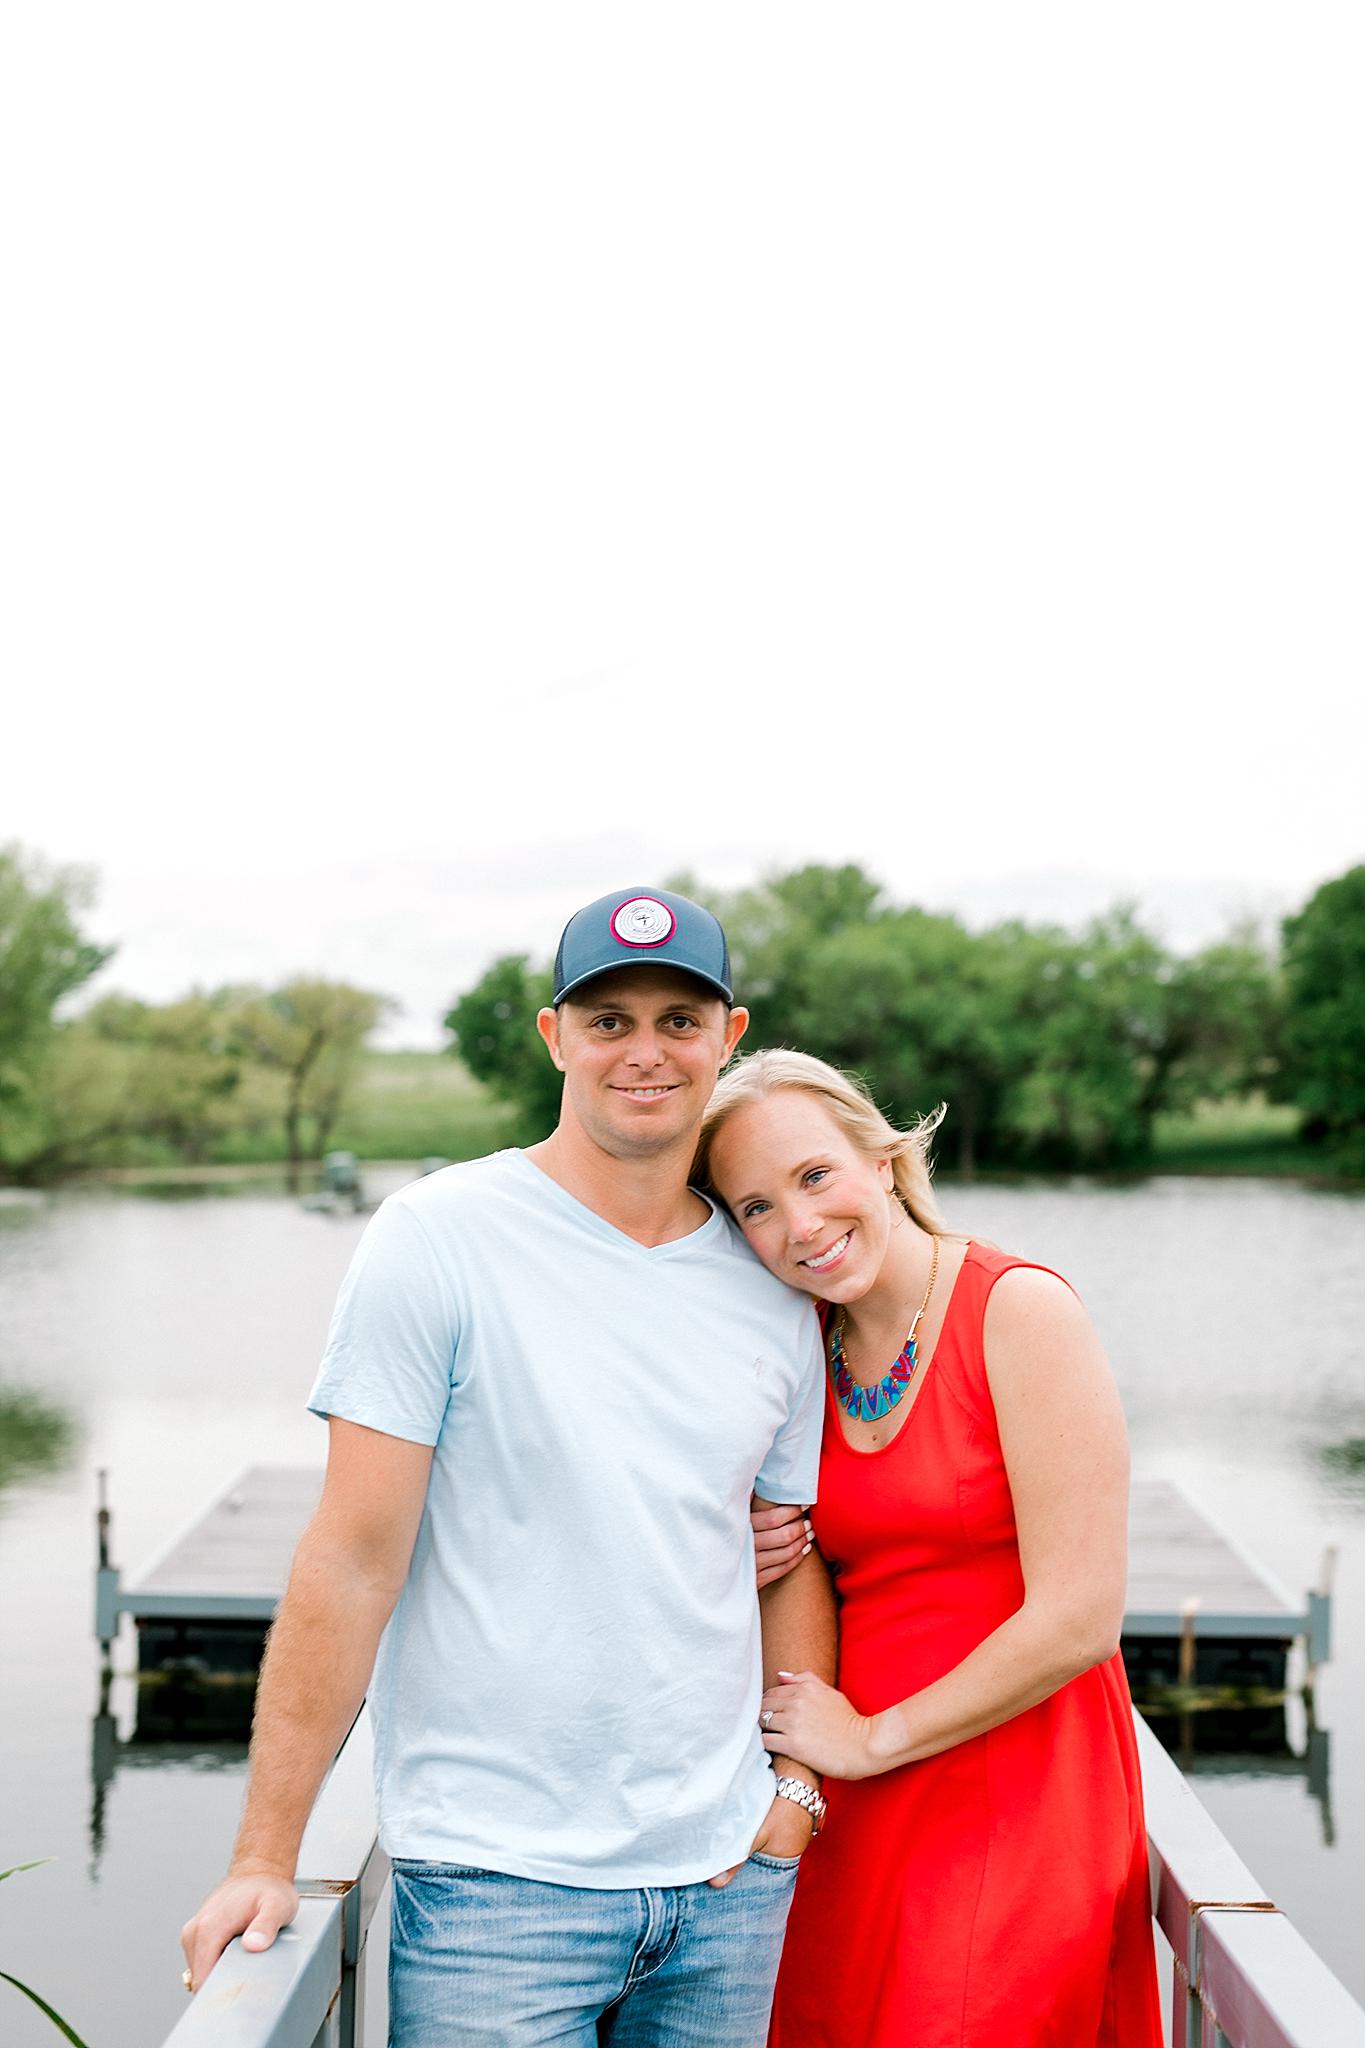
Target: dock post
106,1574
1188,1609
1320,1615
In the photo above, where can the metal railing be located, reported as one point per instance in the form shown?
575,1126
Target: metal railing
1244,1977
308,1989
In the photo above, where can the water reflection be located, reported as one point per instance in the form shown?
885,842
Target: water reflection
1346,1460
36,1437
1252,1742
181,1721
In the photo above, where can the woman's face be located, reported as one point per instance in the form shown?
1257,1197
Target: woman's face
813,1206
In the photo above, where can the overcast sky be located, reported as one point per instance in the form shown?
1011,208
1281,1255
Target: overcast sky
456,461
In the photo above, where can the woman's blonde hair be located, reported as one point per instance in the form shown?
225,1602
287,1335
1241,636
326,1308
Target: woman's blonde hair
763,1073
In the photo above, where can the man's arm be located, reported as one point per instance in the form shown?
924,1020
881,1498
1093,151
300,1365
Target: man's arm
800,1633
347,1574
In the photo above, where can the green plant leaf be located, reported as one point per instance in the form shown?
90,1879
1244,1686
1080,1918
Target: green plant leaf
15,1868
42,2003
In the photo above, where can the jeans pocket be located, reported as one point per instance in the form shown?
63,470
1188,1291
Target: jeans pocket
787,1863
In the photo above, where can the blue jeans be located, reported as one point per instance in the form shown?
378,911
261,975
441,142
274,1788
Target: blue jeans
478,1957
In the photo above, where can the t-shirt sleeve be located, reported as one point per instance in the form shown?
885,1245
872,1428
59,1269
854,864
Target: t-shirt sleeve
391,1349
791,1469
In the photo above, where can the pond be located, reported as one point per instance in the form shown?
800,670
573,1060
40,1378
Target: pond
171,1337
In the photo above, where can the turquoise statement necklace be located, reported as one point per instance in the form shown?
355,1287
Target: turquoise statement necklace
859,1401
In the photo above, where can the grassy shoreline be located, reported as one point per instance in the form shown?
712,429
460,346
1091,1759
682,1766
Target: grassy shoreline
1247,1137
404,1105
408,1106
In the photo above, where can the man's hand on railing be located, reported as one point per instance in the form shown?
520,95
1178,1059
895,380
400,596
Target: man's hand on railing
254,1904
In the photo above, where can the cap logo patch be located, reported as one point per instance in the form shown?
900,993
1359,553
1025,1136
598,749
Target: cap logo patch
643,921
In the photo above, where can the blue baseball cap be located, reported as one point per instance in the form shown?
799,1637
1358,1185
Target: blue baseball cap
642,928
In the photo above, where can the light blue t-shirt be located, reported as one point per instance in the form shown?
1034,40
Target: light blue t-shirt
568,1688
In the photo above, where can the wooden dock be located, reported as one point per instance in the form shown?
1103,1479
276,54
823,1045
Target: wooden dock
1192,1588
208,1598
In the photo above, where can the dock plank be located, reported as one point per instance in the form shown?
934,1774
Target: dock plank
241,1545
1176,1554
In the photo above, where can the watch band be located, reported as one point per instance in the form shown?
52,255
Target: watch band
802,1794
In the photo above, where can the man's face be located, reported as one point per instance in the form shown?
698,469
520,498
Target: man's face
640,1052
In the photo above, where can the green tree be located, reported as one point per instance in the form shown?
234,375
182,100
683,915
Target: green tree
909,1001
1224,1025
1324,966
493,1029
311,1034
1112,1029
75,1108
128,1071
189,1080
43,957
1090,1016
775,931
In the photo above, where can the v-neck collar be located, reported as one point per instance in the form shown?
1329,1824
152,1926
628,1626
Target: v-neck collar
552,1190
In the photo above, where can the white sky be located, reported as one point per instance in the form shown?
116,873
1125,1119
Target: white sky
459,460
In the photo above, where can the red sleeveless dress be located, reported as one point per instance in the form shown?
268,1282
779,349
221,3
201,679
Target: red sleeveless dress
996,1892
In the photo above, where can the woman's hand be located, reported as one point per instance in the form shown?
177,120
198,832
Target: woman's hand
809,1721
782,1537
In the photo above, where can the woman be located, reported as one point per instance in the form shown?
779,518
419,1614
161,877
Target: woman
981,1875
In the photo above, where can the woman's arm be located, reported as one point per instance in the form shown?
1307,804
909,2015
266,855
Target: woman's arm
1066,1456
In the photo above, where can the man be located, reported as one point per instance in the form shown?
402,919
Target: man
553,1380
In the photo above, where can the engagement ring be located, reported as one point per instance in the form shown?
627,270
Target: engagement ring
766,1716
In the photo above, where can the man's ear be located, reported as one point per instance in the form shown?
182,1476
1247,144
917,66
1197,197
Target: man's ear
735,1030
547,1024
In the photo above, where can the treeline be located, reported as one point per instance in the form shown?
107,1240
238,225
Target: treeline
236,1061
1053,1049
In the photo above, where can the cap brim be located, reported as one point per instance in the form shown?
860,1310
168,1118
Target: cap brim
639,960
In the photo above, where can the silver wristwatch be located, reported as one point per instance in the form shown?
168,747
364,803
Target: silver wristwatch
802,1794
